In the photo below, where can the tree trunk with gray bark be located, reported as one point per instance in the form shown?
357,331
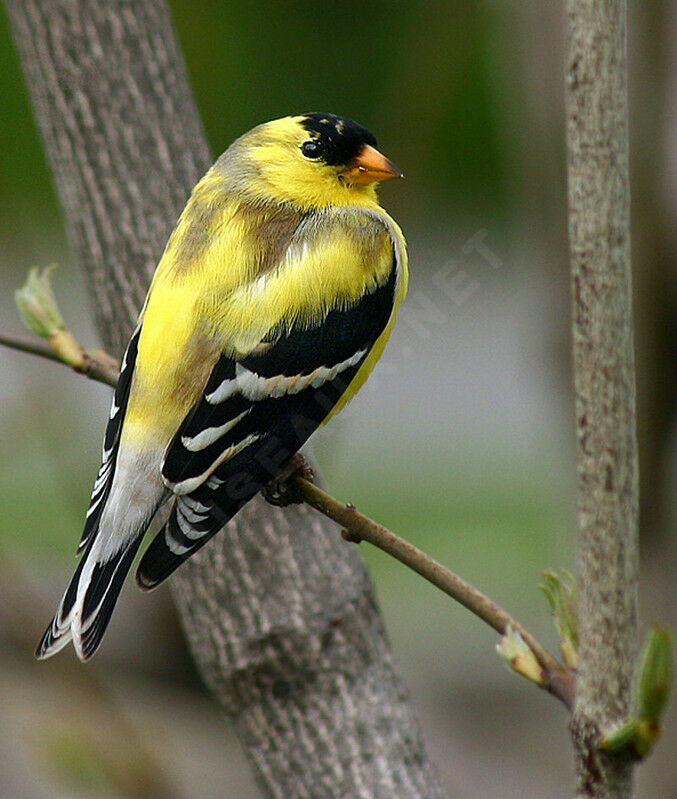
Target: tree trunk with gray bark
599,230
278,611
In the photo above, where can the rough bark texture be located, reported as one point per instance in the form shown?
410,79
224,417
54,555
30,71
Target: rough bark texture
278,610
599,201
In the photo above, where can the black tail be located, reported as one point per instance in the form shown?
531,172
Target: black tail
100,598
88,603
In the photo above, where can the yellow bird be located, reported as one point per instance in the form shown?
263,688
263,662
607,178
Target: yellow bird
272,302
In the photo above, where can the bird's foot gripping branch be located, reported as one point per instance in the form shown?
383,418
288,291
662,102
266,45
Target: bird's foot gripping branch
282,491
518,648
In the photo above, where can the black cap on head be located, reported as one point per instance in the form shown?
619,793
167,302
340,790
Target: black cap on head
338,140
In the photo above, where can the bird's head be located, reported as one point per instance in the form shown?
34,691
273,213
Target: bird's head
311,161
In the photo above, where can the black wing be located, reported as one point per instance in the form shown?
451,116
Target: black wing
254,415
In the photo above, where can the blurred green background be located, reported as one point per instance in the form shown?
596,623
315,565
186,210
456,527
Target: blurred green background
462,441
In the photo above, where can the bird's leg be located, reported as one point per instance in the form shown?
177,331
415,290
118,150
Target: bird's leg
278,491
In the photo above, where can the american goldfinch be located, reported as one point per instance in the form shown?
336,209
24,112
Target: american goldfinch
272,302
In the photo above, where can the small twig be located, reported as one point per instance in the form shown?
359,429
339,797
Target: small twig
556,679
33,346
96,366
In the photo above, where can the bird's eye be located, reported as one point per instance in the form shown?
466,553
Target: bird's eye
311,149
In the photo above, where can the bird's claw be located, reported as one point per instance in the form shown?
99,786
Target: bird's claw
279,490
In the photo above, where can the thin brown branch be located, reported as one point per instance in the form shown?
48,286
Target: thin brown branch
32,346
96,365
556,679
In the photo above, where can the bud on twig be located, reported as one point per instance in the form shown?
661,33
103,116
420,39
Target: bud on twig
517,655
654,686
637,736
39,310
560,591
37,304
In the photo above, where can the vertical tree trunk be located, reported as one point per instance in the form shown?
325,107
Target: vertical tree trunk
278,611
599,203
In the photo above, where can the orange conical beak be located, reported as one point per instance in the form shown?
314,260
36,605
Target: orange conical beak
370,166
